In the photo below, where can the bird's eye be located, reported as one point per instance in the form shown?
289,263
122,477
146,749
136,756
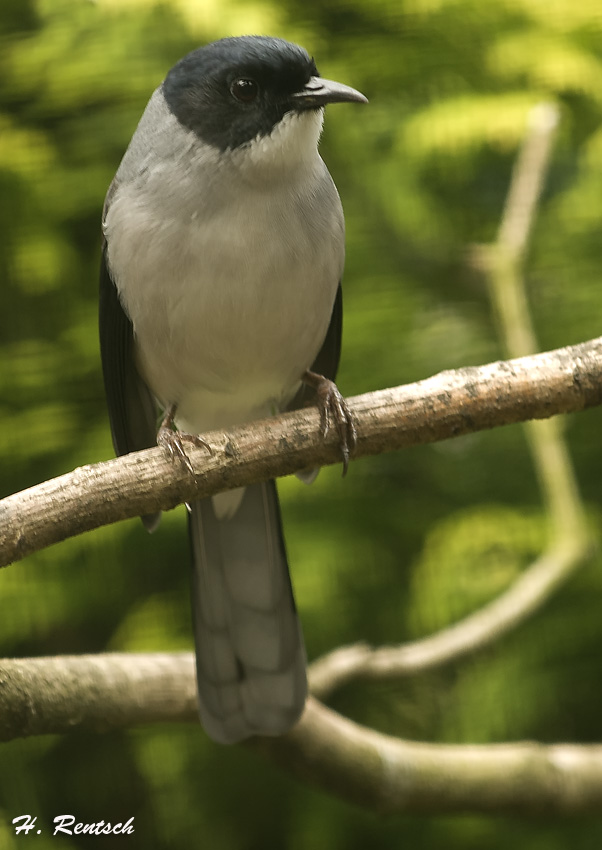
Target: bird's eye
244,89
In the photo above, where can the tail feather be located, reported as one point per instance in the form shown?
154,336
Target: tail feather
250,653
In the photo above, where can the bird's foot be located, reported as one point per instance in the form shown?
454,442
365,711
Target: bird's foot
172,441
333,409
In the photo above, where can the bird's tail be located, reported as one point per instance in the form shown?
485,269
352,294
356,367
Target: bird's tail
250,655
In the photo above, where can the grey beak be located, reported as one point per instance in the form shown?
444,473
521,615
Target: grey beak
319,92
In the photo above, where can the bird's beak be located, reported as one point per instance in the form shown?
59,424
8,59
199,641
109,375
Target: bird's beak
318,92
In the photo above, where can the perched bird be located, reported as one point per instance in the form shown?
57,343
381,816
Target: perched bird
220,303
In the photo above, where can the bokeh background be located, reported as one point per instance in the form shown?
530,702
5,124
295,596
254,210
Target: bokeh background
408,542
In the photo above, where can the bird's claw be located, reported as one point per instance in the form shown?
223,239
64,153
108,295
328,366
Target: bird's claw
334,409
172,442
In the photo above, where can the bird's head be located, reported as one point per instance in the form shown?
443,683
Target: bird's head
252,91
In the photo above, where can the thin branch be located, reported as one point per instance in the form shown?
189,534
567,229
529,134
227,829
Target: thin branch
569,543
504,265
447,405
528,179
326,750
473,633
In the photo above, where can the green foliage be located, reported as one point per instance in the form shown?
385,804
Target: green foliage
408,543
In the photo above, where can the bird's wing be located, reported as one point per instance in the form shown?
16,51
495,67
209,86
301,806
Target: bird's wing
327,359
132,409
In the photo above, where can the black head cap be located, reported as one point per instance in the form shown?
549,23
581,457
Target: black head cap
235,89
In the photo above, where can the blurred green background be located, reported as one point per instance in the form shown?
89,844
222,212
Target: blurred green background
409,541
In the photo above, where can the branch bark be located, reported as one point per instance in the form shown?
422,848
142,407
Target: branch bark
39,696
447,405
357,764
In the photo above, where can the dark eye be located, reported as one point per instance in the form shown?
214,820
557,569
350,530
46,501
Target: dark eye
244,89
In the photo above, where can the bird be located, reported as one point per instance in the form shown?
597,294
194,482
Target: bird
220,303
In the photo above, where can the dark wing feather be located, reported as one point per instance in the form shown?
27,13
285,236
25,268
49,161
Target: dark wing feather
132,409
327,359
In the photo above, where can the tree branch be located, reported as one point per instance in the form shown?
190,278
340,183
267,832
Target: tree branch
40,696
528,180
357,764
390,775
476,631
504,264
446,405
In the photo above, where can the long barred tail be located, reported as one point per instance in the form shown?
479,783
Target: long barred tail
249,645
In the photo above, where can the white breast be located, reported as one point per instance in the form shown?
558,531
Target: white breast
228,267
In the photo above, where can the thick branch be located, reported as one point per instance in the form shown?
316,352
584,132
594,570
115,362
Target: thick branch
39,696
365,767
446,405
391,775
